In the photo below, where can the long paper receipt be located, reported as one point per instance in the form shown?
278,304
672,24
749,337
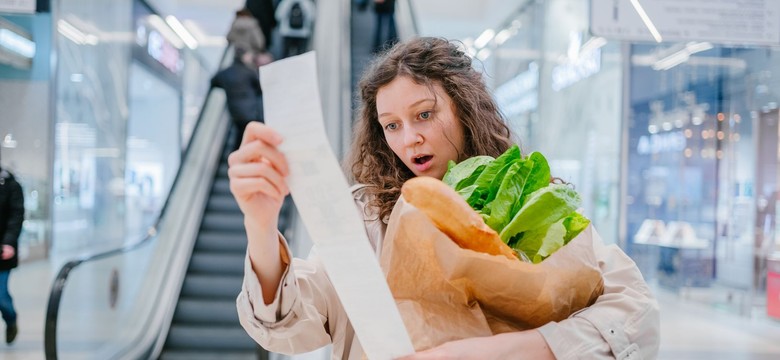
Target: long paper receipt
291,100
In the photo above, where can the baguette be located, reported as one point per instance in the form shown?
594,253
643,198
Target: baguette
453,216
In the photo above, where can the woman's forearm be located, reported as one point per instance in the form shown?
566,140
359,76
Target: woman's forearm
264,254
529,344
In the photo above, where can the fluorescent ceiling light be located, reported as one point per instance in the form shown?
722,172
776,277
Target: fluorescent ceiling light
201,37
672,60
593,43
483,54
694,47
646,20
681,56
74,34
503,36
484,38
182,32
17,43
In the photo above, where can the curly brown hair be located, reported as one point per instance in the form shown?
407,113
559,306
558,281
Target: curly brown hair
427,61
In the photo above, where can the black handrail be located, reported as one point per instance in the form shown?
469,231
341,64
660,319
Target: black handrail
55,295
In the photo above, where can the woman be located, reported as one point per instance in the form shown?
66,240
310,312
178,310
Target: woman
422,104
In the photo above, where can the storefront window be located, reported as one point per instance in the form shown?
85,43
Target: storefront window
702,170
545,80
90,124
153,155
25,148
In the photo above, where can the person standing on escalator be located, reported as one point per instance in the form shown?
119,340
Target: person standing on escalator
241,83
296,20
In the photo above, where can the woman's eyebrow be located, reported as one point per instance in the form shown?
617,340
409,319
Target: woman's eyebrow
418,102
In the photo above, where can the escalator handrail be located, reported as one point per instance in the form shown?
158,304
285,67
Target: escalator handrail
55,294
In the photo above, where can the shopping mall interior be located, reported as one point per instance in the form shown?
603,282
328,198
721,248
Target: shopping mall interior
663,115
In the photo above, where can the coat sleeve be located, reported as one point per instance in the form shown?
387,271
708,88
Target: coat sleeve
297,319
15,216
623,323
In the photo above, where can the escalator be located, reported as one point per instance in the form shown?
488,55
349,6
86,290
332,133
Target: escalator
171,294
205,323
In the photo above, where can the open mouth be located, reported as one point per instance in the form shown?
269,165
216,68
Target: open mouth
420,160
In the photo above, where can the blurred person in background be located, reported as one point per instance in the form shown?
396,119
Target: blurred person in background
11,218
296,20
263,11
241,83
385,35
245,32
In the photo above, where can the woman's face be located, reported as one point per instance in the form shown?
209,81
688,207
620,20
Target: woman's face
420,127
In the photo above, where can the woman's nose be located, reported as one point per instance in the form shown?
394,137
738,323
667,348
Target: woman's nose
412,136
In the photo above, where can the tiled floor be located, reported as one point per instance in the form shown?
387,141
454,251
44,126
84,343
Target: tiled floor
688,330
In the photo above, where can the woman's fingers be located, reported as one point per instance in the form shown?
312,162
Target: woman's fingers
258,131
257,151
250,186
259,170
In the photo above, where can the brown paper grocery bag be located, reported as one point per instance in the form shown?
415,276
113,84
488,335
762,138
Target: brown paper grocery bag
447,293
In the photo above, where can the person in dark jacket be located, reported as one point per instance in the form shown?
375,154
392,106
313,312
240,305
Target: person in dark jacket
241,83
385,34
11,218
264,11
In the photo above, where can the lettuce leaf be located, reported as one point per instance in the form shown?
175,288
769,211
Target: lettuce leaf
541,242
511,189
543,208
466,172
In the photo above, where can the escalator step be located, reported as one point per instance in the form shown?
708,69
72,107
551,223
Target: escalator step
222,170
211,286
225,222
195,311
215,241
208,355
209,338
217,264
223,203
221,186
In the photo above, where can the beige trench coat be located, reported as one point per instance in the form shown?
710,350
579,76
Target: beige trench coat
306,313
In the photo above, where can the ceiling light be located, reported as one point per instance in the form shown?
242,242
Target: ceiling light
484,38
681,55
503,36
17,43
646,20
593,43
483,54
671,60
182,32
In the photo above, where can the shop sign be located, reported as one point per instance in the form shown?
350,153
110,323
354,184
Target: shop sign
164,52
17,6
737,22
661,143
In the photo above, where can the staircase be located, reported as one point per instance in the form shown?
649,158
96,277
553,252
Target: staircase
205,323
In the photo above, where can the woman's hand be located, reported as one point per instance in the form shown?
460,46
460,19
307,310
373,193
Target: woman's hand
517,345
256,171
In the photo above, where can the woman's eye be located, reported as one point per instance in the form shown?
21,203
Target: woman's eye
391,126
425,115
